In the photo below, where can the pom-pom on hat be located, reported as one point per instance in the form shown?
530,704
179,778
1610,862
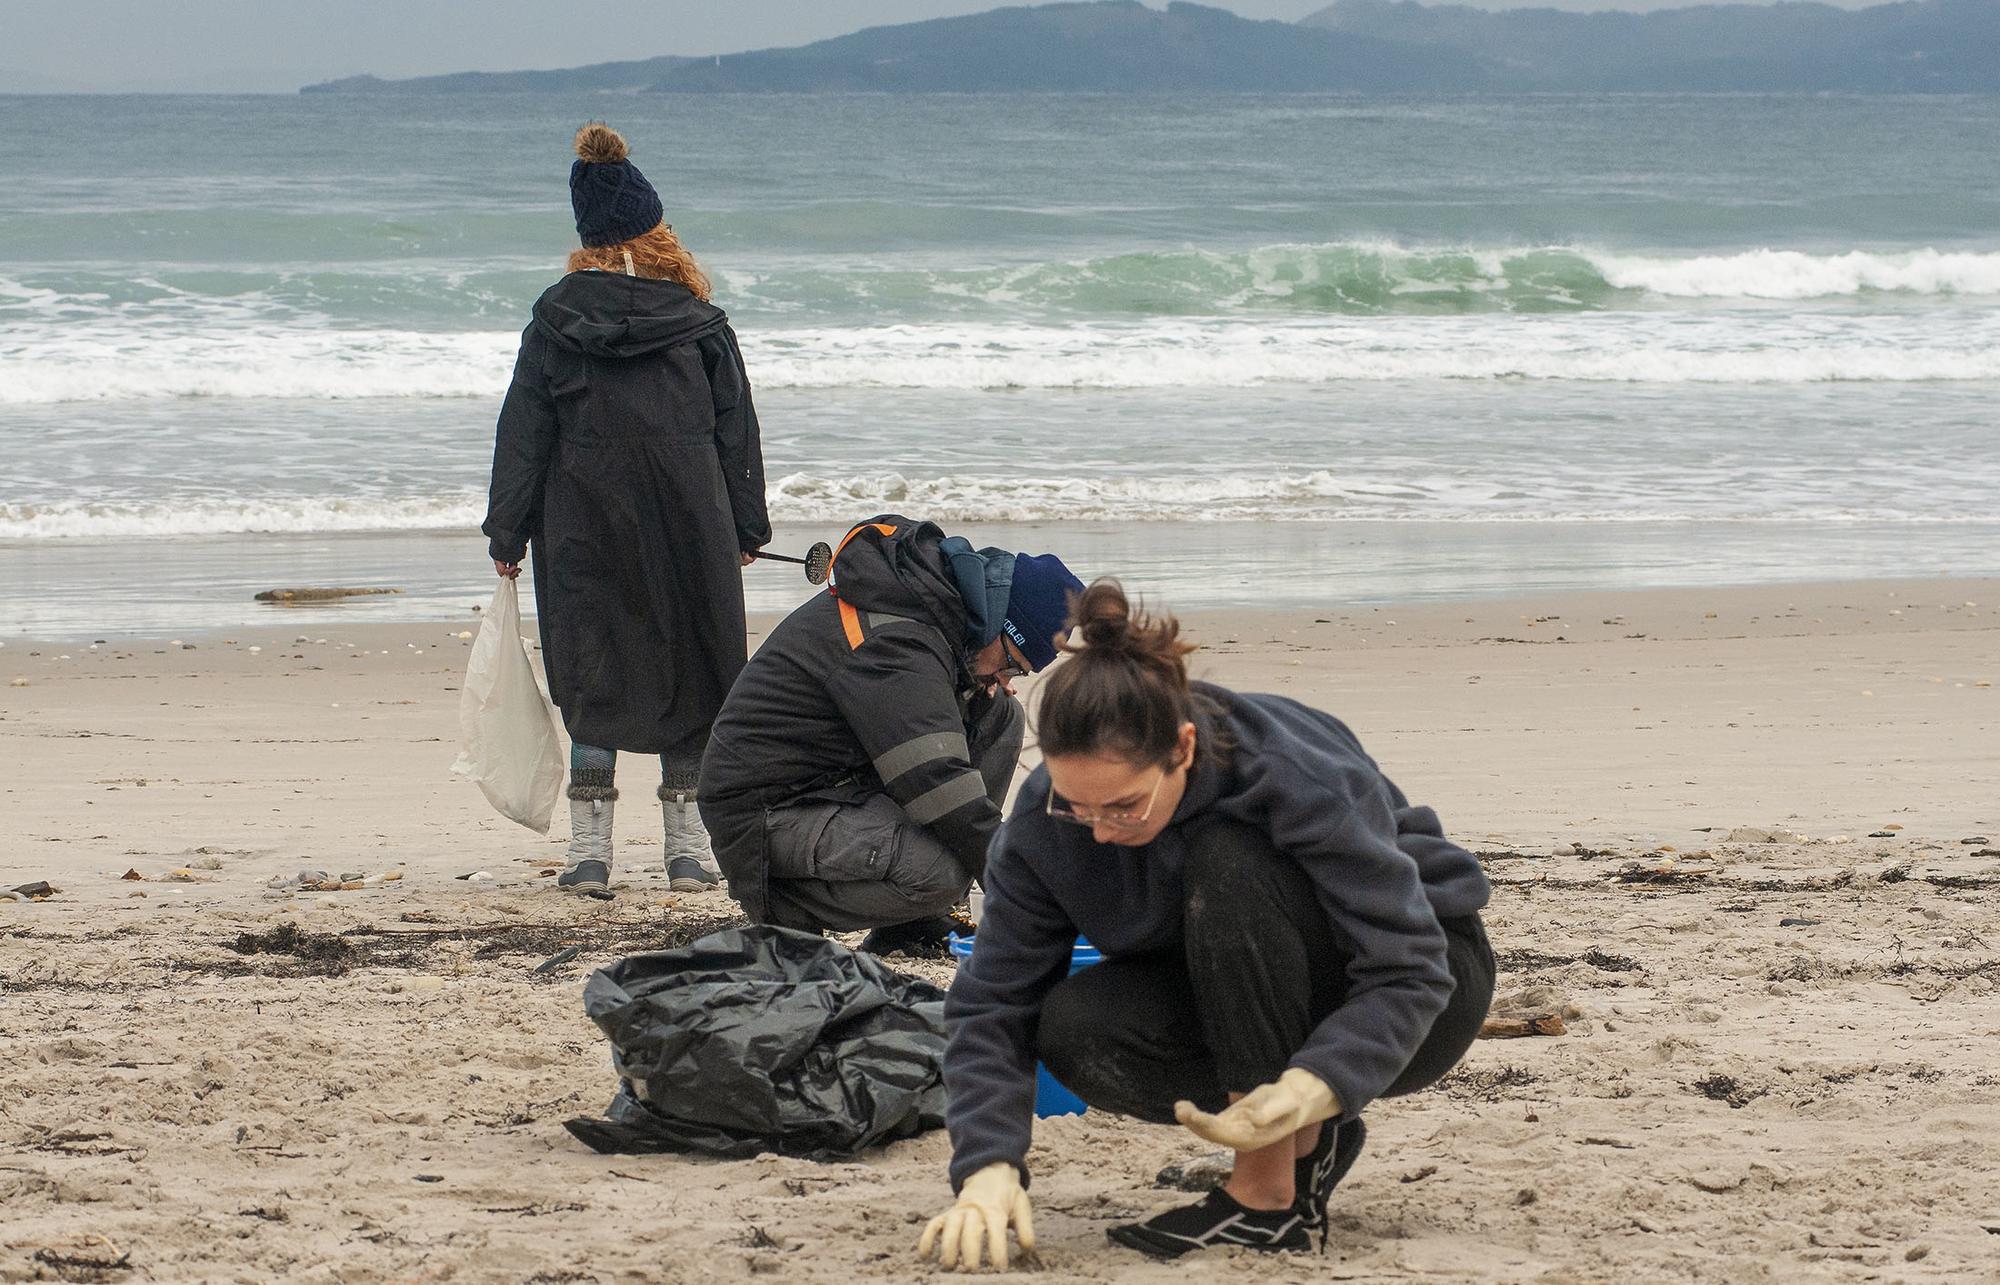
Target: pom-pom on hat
612,199
1038,605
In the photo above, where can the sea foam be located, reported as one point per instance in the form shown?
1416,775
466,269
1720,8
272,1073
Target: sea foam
1791,275
834,500
43,366
81,519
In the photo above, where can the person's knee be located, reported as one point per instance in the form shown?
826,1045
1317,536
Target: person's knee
1223,868
1068,1031
931,880
1001,730
1453,1031
1007,719
1086,1040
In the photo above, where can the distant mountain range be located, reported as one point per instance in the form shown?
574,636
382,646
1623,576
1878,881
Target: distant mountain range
1368,46
1948,46
1110,45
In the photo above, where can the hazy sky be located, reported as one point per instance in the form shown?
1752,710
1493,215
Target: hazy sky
277,45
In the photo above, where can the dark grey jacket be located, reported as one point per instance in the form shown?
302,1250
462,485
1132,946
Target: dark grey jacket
1384,871
627,453
861,690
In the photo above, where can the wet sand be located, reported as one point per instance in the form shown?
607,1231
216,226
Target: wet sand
1747,841
68,587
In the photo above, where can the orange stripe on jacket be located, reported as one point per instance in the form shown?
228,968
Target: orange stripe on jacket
850,620
833,587
883,527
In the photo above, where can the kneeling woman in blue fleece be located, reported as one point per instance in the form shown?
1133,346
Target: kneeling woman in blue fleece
1285,940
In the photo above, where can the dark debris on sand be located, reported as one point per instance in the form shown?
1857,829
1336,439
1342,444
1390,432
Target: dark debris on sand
1726,1088
1524,961
322,954
331,955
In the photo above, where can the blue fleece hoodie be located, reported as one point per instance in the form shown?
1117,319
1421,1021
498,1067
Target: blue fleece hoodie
985,578
1384,872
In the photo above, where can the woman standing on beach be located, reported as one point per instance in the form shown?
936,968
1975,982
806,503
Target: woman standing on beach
627,453
1285,939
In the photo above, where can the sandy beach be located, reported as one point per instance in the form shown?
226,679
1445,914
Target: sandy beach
1745,842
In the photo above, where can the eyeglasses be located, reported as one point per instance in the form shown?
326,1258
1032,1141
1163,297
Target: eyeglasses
1012,664
1064,810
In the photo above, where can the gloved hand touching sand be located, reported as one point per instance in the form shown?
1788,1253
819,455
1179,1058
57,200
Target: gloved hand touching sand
1267,1114
991,1201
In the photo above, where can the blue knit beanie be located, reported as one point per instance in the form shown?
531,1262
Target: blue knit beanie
612,199
1038,605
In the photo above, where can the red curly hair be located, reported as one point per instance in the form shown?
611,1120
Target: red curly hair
658,254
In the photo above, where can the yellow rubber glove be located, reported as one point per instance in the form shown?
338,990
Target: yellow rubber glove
990,1201
1267,1114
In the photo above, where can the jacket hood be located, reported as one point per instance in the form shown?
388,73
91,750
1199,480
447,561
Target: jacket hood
903,567
608,314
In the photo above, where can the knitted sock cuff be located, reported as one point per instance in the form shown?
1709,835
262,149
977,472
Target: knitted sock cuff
592,783
680,772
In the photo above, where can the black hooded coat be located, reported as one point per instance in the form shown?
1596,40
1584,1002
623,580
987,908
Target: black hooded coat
627,454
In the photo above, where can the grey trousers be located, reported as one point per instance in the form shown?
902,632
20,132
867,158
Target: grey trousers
849,866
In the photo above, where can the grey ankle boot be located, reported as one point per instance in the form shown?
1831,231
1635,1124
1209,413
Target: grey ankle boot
589,868
690,861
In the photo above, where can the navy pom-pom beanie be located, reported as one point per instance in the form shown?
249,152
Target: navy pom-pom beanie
613,202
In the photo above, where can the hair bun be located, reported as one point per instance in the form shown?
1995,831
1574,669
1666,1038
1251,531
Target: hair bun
1105,616
598,144
1124,689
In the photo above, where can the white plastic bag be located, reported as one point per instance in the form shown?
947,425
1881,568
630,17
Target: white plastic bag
509,743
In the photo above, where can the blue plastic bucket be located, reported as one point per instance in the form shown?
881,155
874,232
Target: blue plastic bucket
1051,1098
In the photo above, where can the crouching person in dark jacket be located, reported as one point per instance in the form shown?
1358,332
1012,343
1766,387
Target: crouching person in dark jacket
1285,939
859,764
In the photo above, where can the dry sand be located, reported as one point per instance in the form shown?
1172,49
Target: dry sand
1779,1064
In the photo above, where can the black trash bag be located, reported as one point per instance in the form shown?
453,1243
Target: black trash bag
765,1039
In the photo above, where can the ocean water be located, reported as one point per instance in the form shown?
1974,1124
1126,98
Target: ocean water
1239,349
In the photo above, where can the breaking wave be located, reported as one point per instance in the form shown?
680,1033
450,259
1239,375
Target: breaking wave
123,364
1368,279
1352,278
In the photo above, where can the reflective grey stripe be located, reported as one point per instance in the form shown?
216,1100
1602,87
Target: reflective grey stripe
882,619
919,750
946,799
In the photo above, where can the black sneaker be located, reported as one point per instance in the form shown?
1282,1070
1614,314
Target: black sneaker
1320,1171
925,938
1215,1219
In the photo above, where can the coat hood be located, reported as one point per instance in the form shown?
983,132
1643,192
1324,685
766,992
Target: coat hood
903,567
608,314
